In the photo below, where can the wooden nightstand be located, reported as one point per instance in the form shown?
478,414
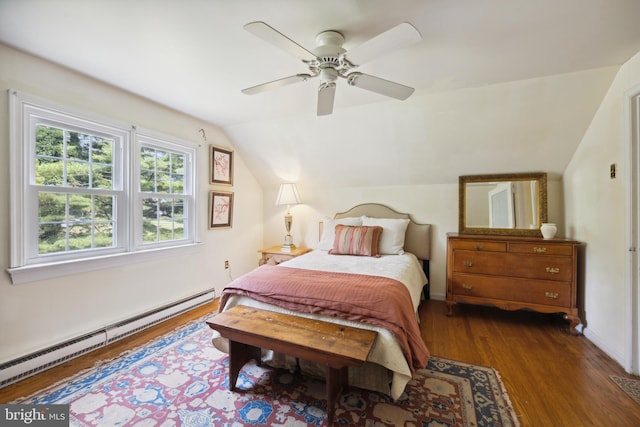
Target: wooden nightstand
275,255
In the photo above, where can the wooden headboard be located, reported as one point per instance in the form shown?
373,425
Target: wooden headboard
417,239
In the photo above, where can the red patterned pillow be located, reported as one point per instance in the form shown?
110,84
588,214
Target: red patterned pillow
357,240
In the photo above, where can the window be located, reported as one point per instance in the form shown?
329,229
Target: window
73,188
163,192
85,188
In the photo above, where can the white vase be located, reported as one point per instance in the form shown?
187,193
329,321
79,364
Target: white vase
548,230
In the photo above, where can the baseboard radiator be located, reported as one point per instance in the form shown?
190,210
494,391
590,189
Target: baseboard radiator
23,367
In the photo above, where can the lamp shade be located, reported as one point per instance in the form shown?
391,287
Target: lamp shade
288,194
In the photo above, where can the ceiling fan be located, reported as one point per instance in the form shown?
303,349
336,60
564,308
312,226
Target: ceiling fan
329,61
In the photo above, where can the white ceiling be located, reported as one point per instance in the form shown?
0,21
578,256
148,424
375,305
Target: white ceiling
480,95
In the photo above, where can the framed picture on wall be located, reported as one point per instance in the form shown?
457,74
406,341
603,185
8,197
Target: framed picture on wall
220,209
220,165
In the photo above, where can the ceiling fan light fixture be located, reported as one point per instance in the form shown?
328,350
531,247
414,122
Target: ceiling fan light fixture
328,75
329,60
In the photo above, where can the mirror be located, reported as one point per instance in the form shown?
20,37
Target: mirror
506,204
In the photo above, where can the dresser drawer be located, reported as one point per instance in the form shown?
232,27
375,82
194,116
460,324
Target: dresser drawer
559,268
544,267
541,248
510,289
479,245
480,262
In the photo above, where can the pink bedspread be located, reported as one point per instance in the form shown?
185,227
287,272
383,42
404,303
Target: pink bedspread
363,298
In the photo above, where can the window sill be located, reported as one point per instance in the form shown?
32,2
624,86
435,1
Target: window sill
33,273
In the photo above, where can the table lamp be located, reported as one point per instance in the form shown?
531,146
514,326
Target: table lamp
288,195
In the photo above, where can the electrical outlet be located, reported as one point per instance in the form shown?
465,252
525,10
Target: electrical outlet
226,264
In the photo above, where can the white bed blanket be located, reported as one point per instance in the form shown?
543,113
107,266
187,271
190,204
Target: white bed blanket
404,268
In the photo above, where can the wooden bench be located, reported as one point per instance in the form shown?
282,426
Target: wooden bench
334,346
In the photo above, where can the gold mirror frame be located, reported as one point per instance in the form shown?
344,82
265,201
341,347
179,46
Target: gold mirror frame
539,177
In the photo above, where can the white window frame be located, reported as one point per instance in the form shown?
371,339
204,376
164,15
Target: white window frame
148,138
26,265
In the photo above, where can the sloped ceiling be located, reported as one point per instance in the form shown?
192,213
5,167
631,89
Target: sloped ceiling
501,85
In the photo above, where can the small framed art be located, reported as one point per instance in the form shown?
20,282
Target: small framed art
220,209
220,165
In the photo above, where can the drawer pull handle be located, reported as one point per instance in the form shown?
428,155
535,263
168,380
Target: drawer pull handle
478,247
539,250
468,263
467,287
553,270
551,295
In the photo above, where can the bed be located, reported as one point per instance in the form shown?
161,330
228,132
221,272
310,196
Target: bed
377,291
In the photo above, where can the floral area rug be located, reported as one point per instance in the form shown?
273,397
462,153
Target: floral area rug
628,385
181,380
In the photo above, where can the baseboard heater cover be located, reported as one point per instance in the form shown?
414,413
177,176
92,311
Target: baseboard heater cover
26,366
138,323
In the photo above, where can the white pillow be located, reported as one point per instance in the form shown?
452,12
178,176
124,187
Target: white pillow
329,230
393,233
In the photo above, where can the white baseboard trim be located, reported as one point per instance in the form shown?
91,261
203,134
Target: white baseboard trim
31,364
598,342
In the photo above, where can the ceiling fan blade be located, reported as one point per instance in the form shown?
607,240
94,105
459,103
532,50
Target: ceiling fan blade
396,38
276,38
326,94
276,84
381,86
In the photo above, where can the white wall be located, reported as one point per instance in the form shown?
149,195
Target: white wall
36,315
431,138
595,211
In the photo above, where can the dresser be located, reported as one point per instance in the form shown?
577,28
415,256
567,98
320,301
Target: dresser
513,273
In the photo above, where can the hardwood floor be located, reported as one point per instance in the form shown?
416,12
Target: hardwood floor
553,378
